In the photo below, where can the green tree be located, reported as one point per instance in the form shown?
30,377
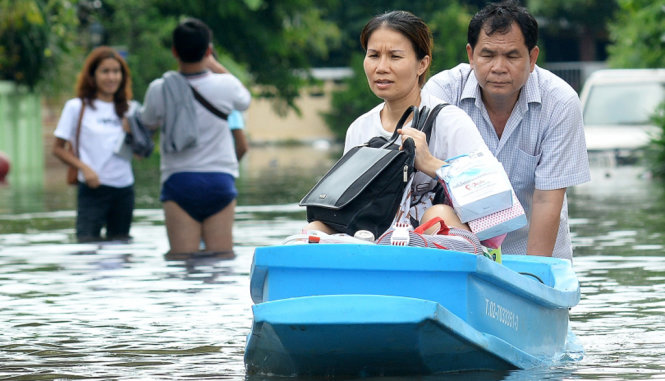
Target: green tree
268,42
449,30
36,38
638,35
584,21
353,100
353,15
655,153
139,30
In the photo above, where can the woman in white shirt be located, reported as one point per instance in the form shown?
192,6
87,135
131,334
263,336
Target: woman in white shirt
105,178
398,48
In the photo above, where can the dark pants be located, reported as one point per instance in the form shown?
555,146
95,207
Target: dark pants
104,206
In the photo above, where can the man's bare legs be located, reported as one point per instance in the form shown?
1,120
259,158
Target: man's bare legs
217,231
185,233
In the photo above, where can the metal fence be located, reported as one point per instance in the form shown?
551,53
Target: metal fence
575,73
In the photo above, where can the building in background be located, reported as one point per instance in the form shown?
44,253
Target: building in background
264,125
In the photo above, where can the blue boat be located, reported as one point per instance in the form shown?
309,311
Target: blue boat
350,309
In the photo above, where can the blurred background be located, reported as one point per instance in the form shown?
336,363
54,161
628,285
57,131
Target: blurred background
301,59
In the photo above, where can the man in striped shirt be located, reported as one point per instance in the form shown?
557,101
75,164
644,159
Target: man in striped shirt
530,119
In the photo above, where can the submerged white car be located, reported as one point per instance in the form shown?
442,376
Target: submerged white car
617,106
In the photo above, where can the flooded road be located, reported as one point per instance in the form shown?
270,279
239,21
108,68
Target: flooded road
120,311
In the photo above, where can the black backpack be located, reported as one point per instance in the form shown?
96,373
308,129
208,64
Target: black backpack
363,190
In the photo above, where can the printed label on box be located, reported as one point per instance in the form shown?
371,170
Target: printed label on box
477,185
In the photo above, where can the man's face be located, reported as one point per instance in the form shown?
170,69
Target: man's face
502,63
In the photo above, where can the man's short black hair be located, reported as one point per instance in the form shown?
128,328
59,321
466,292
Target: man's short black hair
191,39
499,18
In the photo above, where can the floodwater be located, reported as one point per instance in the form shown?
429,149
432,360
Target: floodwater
120,311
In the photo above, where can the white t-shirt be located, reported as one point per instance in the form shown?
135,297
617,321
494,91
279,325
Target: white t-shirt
214,150
101,134
452,134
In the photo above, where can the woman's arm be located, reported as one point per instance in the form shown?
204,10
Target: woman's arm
61,152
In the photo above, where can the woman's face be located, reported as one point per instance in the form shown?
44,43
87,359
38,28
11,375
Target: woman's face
108,76
391,66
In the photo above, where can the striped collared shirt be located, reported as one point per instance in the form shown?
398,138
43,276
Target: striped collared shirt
542,146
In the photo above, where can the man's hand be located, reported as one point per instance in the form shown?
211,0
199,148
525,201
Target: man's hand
210,62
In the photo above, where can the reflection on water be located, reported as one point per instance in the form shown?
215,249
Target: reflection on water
268,176
620,212
120,311
282,175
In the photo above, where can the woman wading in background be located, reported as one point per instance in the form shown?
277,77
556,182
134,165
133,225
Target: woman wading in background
105,178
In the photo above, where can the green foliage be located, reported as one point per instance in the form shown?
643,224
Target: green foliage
656,150
449,27
638,35
354,100
269,43
144,34
583,15
448,24
36,36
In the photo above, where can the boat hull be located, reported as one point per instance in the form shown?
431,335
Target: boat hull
365,309
370,334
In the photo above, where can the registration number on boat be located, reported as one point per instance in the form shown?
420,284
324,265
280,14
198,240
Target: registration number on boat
501,314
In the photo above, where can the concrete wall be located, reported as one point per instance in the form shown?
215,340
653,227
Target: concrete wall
264,125
21,134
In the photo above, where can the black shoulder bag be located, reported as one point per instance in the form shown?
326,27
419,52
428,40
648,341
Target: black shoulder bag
208,105
363,190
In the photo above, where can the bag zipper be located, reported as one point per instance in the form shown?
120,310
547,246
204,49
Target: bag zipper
405,172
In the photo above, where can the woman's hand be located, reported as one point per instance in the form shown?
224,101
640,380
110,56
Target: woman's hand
91,178
425,162
62,153
125,125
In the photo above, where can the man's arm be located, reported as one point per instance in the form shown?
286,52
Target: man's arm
545,216
151,113
240,141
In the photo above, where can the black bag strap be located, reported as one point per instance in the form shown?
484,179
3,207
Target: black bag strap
207,104
423,120
400,123
429,123
439,192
